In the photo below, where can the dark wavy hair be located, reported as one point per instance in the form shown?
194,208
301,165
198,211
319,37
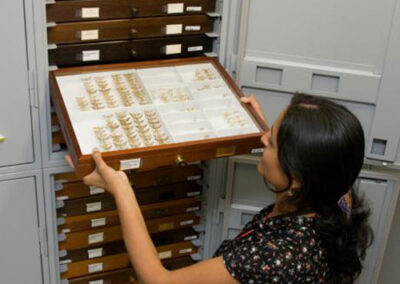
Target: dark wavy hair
321,143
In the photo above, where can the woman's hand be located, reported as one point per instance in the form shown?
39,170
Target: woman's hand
104,176
253,102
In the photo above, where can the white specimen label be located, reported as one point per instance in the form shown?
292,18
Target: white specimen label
96,238
173,29
257,150
90,12
96,190
194,8
188,222
175,8
130,164
193,193
165,254
188,250
98,222
189,238
193,177
89,34
195,48
192,28
173,49
93,207
95,267
90,55
191,209
93,253
101,281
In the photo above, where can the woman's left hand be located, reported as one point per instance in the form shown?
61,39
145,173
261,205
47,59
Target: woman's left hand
104,176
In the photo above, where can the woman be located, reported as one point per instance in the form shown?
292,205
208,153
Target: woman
316,231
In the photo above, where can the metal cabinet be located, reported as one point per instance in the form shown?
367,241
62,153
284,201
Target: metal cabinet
16,136
20,260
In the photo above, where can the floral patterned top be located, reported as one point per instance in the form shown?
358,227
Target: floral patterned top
281,249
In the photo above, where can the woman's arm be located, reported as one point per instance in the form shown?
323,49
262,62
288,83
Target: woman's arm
141,250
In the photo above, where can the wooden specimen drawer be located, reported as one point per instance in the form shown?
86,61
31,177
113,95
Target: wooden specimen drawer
100,236
81,206
84,10
107,263
133,50
147,178
129,29
152,114
159,239
125,276
166,176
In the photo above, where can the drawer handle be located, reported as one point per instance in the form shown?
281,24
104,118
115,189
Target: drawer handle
133,32
180,161
2,138
133,53
134,11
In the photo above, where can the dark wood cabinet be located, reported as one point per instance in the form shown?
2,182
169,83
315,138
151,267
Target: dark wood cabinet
86,10
132,50
126,29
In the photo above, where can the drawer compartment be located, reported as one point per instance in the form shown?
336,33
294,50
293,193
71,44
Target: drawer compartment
86,10
134,50
129,29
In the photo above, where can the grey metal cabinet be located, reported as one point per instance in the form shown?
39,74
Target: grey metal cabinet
20,260
16,135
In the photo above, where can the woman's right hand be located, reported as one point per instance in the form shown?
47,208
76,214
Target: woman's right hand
253,102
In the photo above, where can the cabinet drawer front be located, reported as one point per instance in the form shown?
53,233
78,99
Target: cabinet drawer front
129,29
86,10
176,250
88,221
81,206
121,276
166,176
91,238
120,51
172,223
144,196
169,208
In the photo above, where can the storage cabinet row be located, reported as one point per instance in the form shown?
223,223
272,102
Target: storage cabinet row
90,242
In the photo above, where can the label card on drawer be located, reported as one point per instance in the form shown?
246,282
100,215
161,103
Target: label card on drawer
191,209
101,281
188,222
193,193
96,238
173,49
190,238
90,55
130,164
89,34
93,207
173,29
98,222
195,48
165,254
96,190
90,12
95,267
194,8
175,8
193,177
166,226
93,253
257,150
188,250
192,28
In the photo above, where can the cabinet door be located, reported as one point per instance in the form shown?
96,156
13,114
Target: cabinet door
15,115
20,260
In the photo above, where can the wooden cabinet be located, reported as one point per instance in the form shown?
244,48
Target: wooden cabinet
165,96
126,29
131,50
86,10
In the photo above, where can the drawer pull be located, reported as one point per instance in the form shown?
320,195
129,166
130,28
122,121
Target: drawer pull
2,138
135,11
133,53
180,161
133,32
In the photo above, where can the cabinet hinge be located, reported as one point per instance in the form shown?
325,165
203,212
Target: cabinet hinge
232,62
43,241
220,209
34,101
